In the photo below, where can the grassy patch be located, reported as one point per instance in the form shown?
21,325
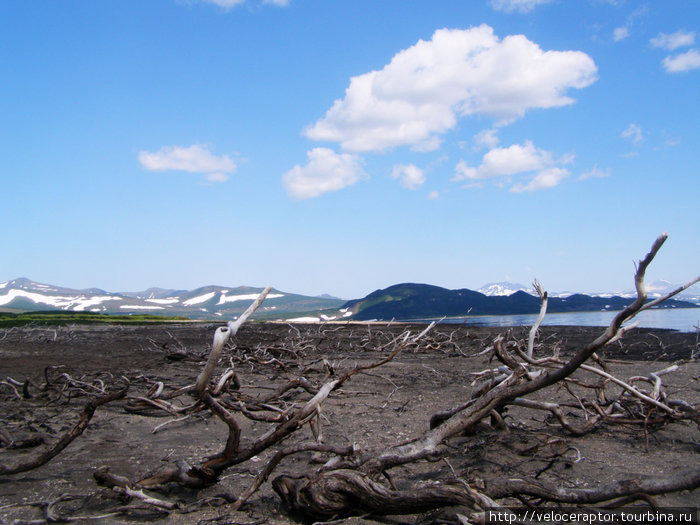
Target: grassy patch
8,319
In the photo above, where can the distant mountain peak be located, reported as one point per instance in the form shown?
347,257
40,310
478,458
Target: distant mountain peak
327,296
153,293
504,288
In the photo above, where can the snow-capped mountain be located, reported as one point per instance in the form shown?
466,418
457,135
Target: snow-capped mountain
20,293
654,289
658,288
505,288
206,302
211,302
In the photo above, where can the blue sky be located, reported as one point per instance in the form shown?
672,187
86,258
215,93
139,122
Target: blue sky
344,146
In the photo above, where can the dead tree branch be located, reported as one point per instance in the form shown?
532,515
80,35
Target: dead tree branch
67,438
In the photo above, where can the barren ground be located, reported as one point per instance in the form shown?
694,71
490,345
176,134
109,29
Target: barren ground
388,405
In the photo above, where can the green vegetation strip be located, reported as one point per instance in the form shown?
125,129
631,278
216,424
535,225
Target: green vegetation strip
64,318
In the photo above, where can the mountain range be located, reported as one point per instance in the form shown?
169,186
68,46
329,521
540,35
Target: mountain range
401,301
654,289
207,302
415,301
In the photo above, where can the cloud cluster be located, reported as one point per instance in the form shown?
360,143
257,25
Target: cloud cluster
425,88
193,159
680,62
539,168
326,171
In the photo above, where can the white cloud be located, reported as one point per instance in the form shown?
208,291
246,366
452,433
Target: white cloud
624,31
683,62
621,33
506,161
434,195
487,137
280,3
633,133
423,91
544,179
673,41
516,160
217,177
194,159
411,176
595,173
326,171
522,6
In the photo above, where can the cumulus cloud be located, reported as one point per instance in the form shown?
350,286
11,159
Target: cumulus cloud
682,62
410,176
522,6
620,33
673,41
326,171
595,173
427,87
193,159
633,133
506,161
524,160
433,195
544,179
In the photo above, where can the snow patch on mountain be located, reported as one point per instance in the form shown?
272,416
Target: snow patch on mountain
244,297
140,307
199,299
77,303
168,301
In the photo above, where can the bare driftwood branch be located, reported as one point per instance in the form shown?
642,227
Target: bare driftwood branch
686,480
221,337
67,438
543,311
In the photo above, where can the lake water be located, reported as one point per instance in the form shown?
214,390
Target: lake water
683,319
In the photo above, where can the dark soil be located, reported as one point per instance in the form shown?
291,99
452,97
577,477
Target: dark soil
388,405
